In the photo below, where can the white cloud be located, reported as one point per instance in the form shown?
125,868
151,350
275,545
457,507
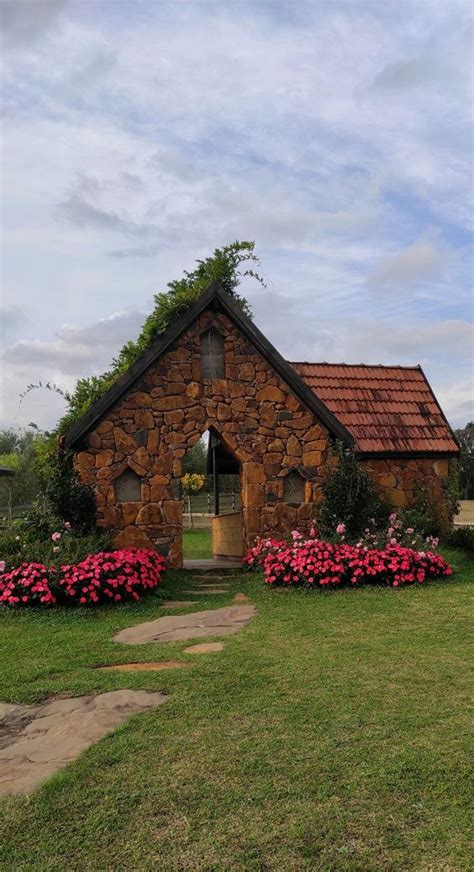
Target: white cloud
72,354
413,265
24,21
138,137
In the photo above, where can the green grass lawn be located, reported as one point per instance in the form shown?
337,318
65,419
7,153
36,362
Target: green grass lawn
197,544
332,733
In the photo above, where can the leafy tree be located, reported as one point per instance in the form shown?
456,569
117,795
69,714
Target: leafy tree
465,438
18,451
195,460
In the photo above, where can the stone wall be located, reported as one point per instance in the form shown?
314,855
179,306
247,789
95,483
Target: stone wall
399,479
258,419
153,426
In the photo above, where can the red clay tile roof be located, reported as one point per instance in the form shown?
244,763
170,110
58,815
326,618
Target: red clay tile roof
389,409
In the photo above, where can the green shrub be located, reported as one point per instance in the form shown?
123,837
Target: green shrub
462,537
350,498
30,540
67,497
429,517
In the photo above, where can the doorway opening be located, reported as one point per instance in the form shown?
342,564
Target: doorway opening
212,518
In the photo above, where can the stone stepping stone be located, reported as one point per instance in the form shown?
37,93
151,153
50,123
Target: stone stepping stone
38,740
198,625
143,667
210,579
208,591
204,648
178,604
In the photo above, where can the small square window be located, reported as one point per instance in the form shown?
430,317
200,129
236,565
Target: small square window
212,355
128,487
293,488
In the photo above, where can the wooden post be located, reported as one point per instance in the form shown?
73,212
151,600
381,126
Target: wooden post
216,481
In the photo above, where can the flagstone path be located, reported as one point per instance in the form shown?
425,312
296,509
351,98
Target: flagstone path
36,741
175,628
204,648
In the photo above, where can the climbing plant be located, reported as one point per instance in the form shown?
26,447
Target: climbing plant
227,265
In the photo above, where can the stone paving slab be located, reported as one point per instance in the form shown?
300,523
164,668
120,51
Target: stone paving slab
36,741
174,628
208,565
240,598
201,591
204,648
156,666
178,604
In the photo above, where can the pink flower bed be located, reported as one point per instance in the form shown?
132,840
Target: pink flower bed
314,563
114,576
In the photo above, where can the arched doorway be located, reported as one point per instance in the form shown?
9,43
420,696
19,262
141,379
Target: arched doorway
212,517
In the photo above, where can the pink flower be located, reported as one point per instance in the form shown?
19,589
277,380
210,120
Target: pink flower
2,566
340,529
410,530
67,525
56,537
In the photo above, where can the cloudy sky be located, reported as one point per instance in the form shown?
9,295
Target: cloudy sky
139,135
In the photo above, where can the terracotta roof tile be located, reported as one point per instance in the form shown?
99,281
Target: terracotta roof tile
386,408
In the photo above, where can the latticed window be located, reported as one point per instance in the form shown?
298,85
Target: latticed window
128,487
212,355
293,488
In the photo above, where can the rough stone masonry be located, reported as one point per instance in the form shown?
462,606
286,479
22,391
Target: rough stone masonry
130,449
152,427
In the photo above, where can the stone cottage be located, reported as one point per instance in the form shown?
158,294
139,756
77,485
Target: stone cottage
272,421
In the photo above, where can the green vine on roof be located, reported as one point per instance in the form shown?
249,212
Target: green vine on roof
226,265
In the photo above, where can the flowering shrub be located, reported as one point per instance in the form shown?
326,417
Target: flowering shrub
113,576
396,533
314,563
193,482
262,547
29,585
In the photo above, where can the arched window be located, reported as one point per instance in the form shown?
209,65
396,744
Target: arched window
212,355
128,487
293,488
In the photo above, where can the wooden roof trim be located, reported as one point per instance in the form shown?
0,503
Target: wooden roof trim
213,294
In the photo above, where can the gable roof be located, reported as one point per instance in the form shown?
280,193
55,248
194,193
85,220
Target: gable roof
387,409
215,297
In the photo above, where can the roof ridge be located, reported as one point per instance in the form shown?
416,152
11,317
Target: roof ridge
416,366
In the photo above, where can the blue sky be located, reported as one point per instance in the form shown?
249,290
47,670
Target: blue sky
139,136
